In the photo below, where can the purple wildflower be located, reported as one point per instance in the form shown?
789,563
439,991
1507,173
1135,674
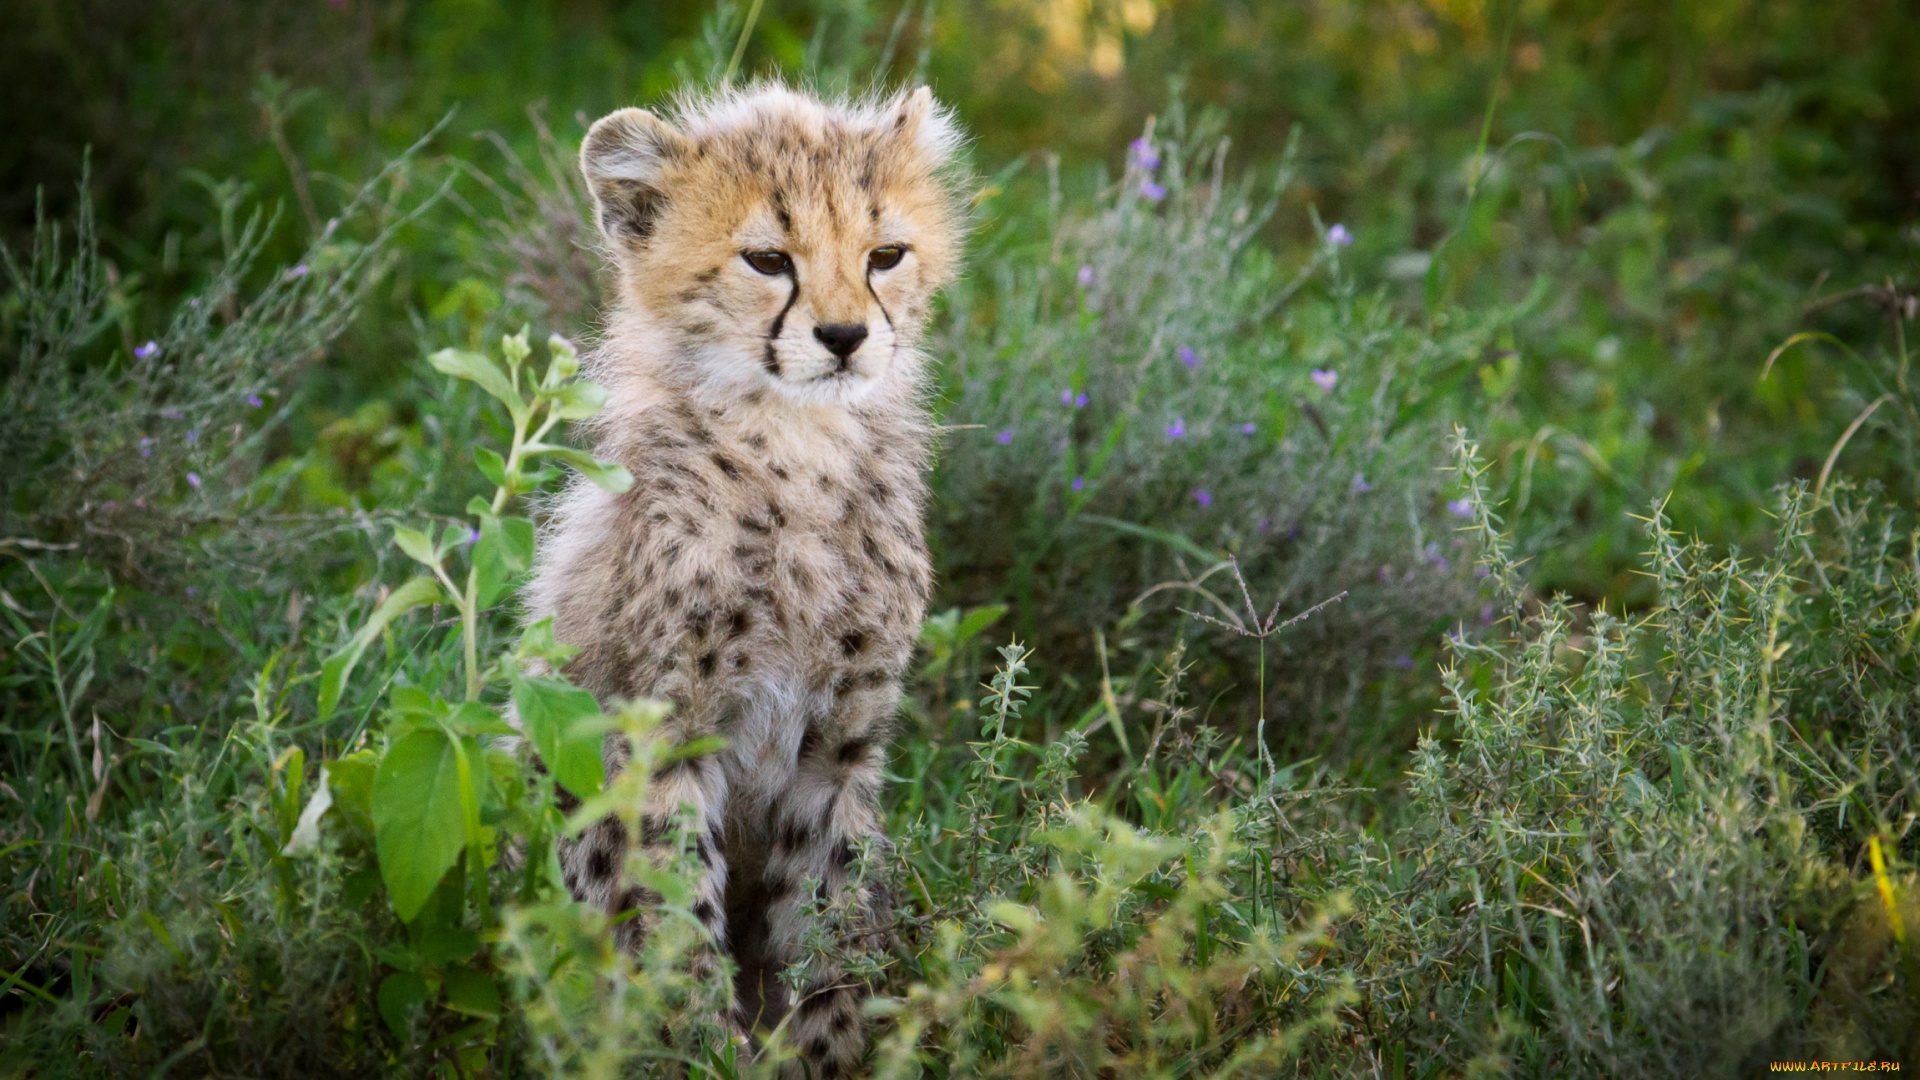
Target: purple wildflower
1324,379
1151,191
1481,571
1086,275
473,536
1144,155
1079,482
193,436
194,479
1360,485
191,590
1386,573
1177,429
1005,438
1079,401
1486,614
1203,497
1249,429
1460,508
148,351
1338,236
1403,661
254,400
146,446
172,414
1189,357
1066,396
194,303
297,272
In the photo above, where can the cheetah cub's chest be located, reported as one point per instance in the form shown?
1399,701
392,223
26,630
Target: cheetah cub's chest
777,572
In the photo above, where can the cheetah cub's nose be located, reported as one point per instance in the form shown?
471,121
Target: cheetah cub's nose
841,339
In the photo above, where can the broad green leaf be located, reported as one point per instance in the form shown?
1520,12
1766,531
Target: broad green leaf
418,825
415,703
417,545
470,993
609,476
579,400
492,466
333,674
977,620
503,552
473,718
440,945
476,368
351,779
401,994
566,728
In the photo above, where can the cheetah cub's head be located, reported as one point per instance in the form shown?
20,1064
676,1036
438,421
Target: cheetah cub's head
780,241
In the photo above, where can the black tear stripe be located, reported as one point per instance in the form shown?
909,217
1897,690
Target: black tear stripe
773,358
883,307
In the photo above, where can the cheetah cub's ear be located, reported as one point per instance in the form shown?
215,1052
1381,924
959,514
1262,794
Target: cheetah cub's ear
625,157
927,127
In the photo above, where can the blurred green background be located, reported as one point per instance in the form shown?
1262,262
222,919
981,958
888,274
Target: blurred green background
1684,178
1641,253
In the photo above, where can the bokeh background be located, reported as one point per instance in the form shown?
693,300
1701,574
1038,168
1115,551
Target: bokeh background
1239,273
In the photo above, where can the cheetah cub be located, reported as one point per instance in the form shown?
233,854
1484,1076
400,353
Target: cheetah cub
777,257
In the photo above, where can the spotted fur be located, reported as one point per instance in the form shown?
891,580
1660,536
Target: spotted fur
767,572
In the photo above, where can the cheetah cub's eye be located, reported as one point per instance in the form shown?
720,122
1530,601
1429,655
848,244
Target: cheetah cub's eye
767,262
886,258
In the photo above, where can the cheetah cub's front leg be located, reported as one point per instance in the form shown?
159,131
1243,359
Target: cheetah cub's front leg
777,258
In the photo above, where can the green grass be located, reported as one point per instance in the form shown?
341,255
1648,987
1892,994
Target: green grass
1602,763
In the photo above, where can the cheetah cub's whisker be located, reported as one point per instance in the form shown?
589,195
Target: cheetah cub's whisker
777,257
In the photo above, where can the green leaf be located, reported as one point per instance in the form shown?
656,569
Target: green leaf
977,620
333,674
471,993
476,368
503,552
566,728
609,476
473,718
401,994
440,945
418,827
579,400
417,545
492,466
351,779
537,642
